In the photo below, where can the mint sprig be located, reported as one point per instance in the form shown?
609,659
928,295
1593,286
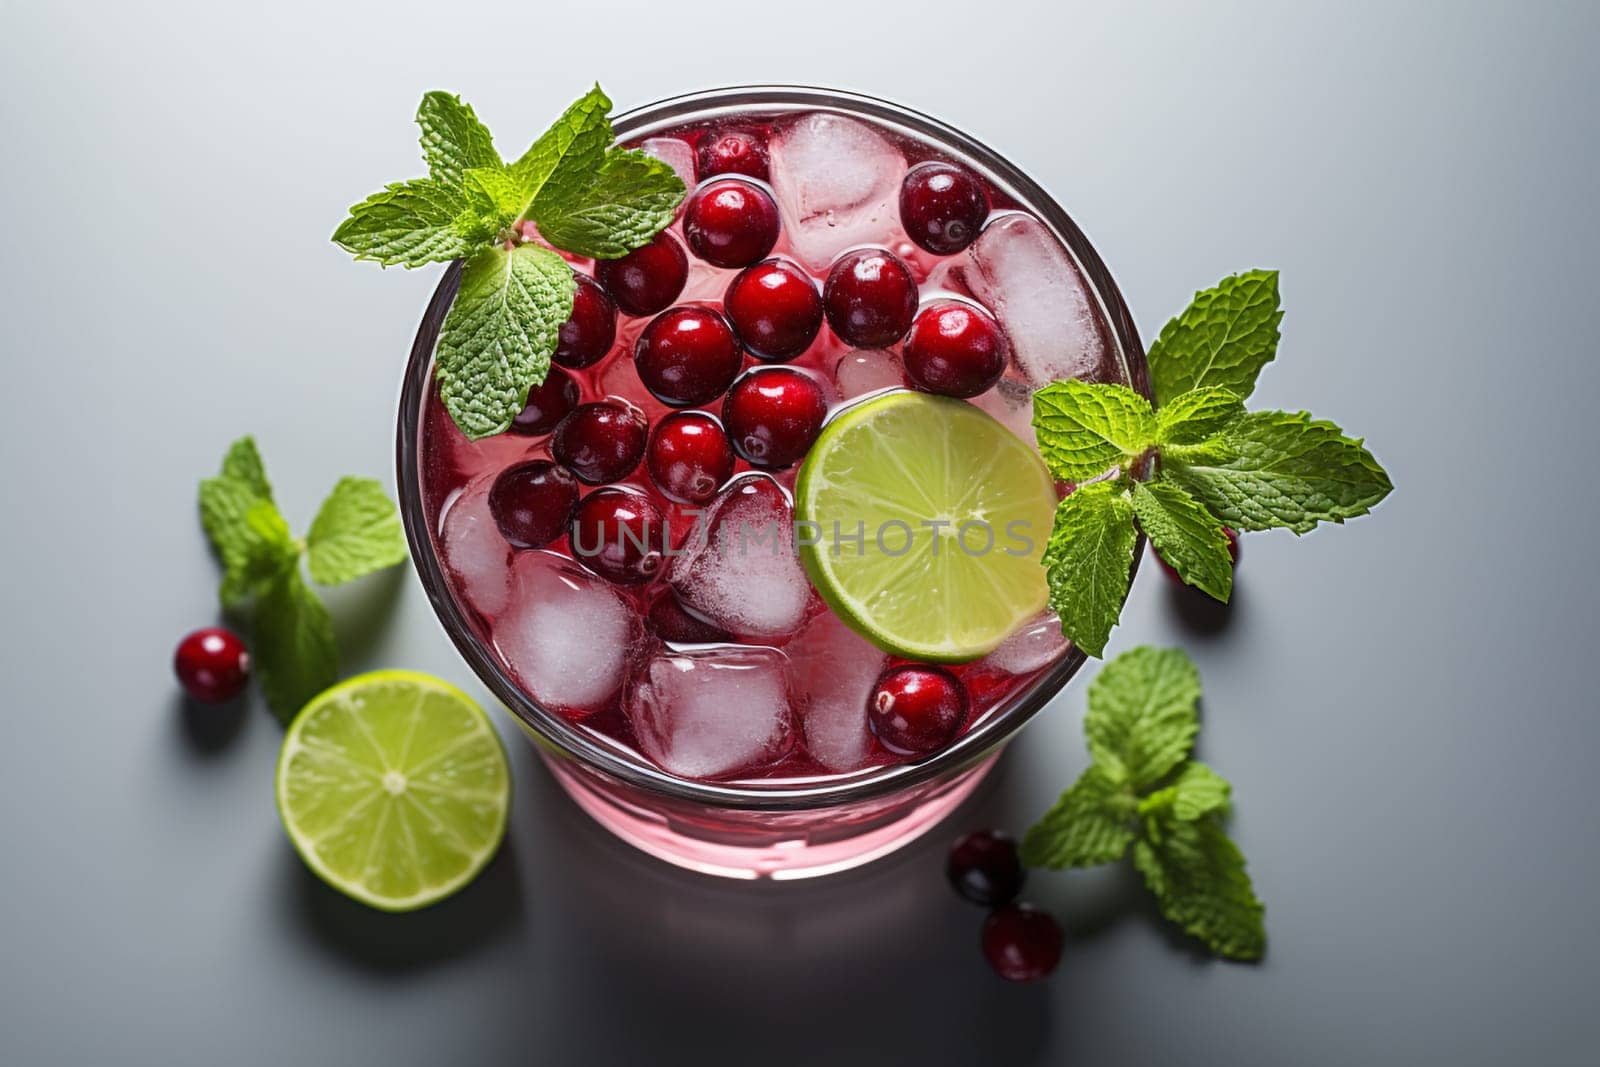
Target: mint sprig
356,531
1145,793
580,193
1215,463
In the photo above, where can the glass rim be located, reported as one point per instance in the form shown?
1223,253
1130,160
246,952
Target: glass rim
570,740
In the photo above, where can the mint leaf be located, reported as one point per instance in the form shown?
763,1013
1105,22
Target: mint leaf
1198,791
1277,469
614,210
1142,715
295,651
248,534
1087,562
412,223
1198,877
567,153
1089,825
242,463
1188,536
1192,417
502,328
1225,336
356,531
1086,428
453,140
266,550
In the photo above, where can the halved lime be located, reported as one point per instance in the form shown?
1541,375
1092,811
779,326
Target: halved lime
929,520
394,789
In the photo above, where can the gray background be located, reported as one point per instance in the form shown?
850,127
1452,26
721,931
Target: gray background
1405,706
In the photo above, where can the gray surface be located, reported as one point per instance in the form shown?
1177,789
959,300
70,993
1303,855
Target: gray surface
1405,706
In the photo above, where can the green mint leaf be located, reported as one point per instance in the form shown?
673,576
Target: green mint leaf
1280,469
1088,826
1087,562
567,154
243,524
1225,336
614,210
502,328
243,464
497,187
356,531
1086,428
1188,536
265,551
453,140
1142,715
1199,880
1198,791
295,651
1195,416
412,223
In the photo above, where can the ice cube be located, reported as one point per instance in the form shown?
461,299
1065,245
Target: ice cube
838,186
832,670
674,153
568,637
739,567
1020,272
474,552
866,370
709,713
1035,646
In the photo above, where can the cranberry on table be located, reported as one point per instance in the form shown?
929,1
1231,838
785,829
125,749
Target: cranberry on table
772,415
732,152
687,356
916,709
531,502
548,403
1022,943
870,298
984,867
955,349
689,456
1233,552
942,207
619,534
212,664
671,622
648,279
600,442
730,223
776,309
586,336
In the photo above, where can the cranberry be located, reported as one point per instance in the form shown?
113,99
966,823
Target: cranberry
672,623
619,534
730,223
776,309
773,414
548,403
212,664
955,349
984,868
916,709
1233,552
687,356
587,335
1021,943
732,152
600,442
531,502
942,206
647,279
689,457
870,298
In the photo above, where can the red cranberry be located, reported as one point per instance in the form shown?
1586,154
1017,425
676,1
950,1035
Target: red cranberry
587,335
600,442
687,356
984,868
942,206
870,298
1021,943
619,534
548,403
212,664
689,457
917,709
531,502
776,309
732,152
773,414
1233,551
647,279
672,623
955,349
730,223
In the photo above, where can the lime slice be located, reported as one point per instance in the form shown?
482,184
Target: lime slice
894,469
393,787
